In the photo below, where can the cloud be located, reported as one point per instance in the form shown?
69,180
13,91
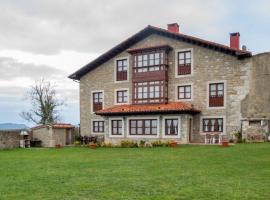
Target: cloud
49,26
11,69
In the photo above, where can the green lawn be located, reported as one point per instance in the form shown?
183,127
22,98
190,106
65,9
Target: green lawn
188,172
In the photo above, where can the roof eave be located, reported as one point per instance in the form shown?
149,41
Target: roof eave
148,112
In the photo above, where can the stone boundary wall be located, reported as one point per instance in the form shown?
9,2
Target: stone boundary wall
9,139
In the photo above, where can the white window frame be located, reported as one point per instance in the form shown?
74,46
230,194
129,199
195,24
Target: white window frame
110,127
115,96
225,94
115,69
176,92
179,127
99,120
91,99
176,62
213,117
143,136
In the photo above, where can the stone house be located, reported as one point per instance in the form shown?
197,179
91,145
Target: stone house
161,84
51,135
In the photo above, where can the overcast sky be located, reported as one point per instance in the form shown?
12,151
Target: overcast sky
53,38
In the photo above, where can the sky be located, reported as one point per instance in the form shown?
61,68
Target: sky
51,39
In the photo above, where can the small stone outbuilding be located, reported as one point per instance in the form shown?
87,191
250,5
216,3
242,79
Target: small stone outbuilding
54,134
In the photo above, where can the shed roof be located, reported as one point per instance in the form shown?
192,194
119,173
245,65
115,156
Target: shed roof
55,125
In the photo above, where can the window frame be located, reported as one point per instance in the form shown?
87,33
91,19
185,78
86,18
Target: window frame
223,132
116,68
93,126
183,85
216,125
92,99
111,135
176,62
146,88
145,68
129,135
224,94
164,135
116,96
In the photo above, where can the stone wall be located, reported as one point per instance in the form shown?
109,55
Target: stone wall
45,135
208,65
9,139
59,136
259,94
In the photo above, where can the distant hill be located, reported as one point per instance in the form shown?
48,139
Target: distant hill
12,126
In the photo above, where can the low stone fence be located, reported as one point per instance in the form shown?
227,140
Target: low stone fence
9,139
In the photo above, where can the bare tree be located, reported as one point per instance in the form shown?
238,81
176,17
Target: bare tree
44,104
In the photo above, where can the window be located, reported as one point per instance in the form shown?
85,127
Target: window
98,126
171,127
213,125
184,92
143,127
116,127
149,61
97,101
149,92
121,96
121,70
216,94
184,62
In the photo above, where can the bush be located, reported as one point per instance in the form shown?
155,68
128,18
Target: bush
106,144
142,143
128,144
158,143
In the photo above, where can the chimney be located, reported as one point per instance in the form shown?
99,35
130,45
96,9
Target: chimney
235,40
174,28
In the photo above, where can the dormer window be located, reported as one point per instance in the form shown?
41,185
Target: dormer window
121,70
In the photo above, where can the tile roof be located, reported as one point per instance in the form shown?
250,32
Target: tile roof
172,107
155,30
55,125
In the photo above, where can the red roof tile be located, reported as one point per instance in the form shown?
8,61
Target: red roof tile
173,107
56,125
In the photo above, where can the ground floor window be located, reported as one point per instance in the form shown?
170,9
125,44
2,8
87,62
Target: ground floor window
116,127
171,127
98,126
143,127
213,125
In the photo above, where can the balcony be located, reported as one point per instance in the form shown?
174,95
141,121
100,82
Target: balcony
150,73
216,101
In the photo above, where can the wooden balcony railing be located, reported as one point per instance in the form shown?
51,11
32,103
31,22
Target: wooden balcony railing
216,101
121,76
97,106
184,69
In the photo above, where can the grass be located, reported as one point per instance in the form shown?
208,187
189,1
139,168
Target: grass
188,172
